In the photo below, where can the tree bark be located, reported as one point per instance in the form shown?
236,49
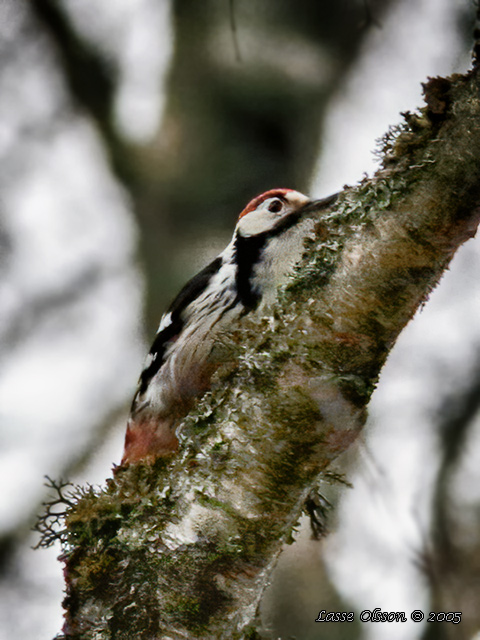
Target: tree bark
183,549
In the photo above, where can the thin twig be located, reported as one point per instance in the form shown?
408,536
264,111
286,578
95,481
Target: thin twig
369,17
51,524
233,26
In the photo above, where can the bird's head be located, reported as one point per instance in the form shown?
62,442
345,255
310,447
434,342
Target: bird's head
274,209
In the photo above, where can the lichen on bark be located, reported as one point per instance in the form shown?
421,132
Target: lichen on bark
183,548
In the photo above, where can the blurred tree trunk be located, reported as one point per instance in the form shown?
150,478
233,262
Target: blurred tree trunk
452,563
185,548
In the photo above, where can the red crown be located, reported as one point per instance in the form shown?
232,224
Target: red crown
253,204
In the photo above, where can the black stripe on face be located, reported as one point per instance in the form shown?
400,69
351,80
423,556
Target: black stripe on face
248,251
190,292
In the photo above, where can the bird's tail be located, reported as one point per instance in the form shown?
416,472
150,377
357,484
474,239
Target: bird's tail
148,438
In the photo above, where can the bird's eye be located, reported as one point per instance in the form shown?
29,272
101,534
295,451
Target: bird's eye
275,205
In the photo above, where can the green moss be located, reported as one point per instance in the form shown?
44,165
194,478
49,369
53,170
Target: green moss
213,503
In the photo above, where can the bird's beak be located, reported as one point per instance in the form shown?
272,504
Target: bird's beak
318,205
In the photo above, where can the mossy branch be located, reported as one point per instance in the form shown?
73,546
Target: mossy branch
183,549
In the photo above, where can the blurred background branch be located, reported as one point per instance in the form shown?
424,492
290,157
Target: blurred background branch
451,561
90,77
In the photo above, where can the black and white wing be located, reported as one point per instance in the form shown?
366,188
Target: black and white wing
172,324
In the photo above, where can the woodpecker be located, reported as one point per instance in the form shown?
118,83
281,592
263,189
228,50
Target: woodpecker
267,242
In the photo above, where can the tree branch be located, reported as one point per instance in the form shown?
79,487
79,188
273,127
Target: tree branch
450,562
90,78
183,549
